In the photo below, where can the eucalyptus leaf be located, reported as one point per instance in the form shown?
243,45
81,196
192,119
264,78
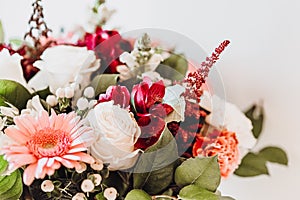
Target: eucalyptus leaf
252,165
101,82
275,155
155,167
256,115
15,190
174,67
203,172
137,195
3,164
194,192
1,33
13,93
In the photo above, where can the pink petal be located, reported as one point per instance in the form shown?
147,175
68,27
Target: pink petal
44,120
21,159
40,167
28,176
16,135
84,157
19,149
66,163
26,124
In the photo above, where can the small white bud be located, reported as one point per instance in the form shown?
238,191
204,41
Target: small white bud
97,165
97,179
92,103
69,92
89,92
47,186
110,193
81,168
75,86
82,103
87,185
79,196
60,93
51,100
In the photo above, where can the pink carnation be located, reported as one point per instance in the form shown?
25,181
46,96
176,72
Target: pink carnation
46,142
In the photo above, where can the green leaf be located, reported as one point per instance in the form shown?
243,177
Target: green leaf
275,155
14,93
252,165
174,67
101,82
43,93
14,191
256,115
203,172
1,33
137,194
100,196
155,169
118,180
3,164
194,192
7,182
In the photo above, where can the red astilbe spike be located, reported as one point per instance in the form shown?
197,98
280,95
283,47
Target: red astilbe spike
194,80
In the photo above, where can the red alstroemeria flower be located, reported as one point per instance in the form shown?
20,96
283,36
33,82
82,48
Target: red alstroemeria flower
119,94
108,46
146,100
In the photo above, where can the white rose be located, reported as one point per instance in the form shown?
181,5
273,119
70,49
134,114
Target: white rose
10,67
62,65
117,132
227,116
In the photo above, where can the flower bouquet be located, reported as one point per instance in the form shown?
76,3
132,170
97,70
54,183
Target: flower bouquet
95,115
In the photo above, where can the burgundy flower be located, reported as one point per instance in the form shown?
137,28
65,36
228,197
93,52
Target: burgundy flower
108,46
146,100
119,94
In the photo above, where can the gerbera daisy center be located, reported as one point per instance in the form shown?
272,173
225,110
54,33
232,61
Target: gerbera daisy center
49,142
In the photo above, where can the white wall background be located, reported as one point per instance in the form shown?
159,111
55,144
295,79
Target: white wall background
261,63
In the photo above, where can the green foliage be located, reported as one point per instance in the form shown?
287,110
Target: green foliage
100,196
43,93
13,93
101,82
137,194
194,192
3,164
256,115
174,67
11,186
252,165
1,33
155,168
275,155
202,172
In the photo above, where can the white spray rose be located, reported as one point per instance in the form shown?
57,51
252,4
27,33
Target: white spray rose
62,65
117,132
10,67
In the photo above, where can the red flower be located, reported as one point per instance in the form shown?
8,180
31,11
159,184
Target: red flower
119,94
146,99
108,46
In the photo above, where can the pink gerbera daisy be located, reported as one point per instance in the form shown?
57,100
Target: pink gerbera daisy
45,142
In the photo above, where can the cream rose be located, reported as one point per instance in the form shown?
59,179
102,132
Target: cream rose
62,65
10,67
116,133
